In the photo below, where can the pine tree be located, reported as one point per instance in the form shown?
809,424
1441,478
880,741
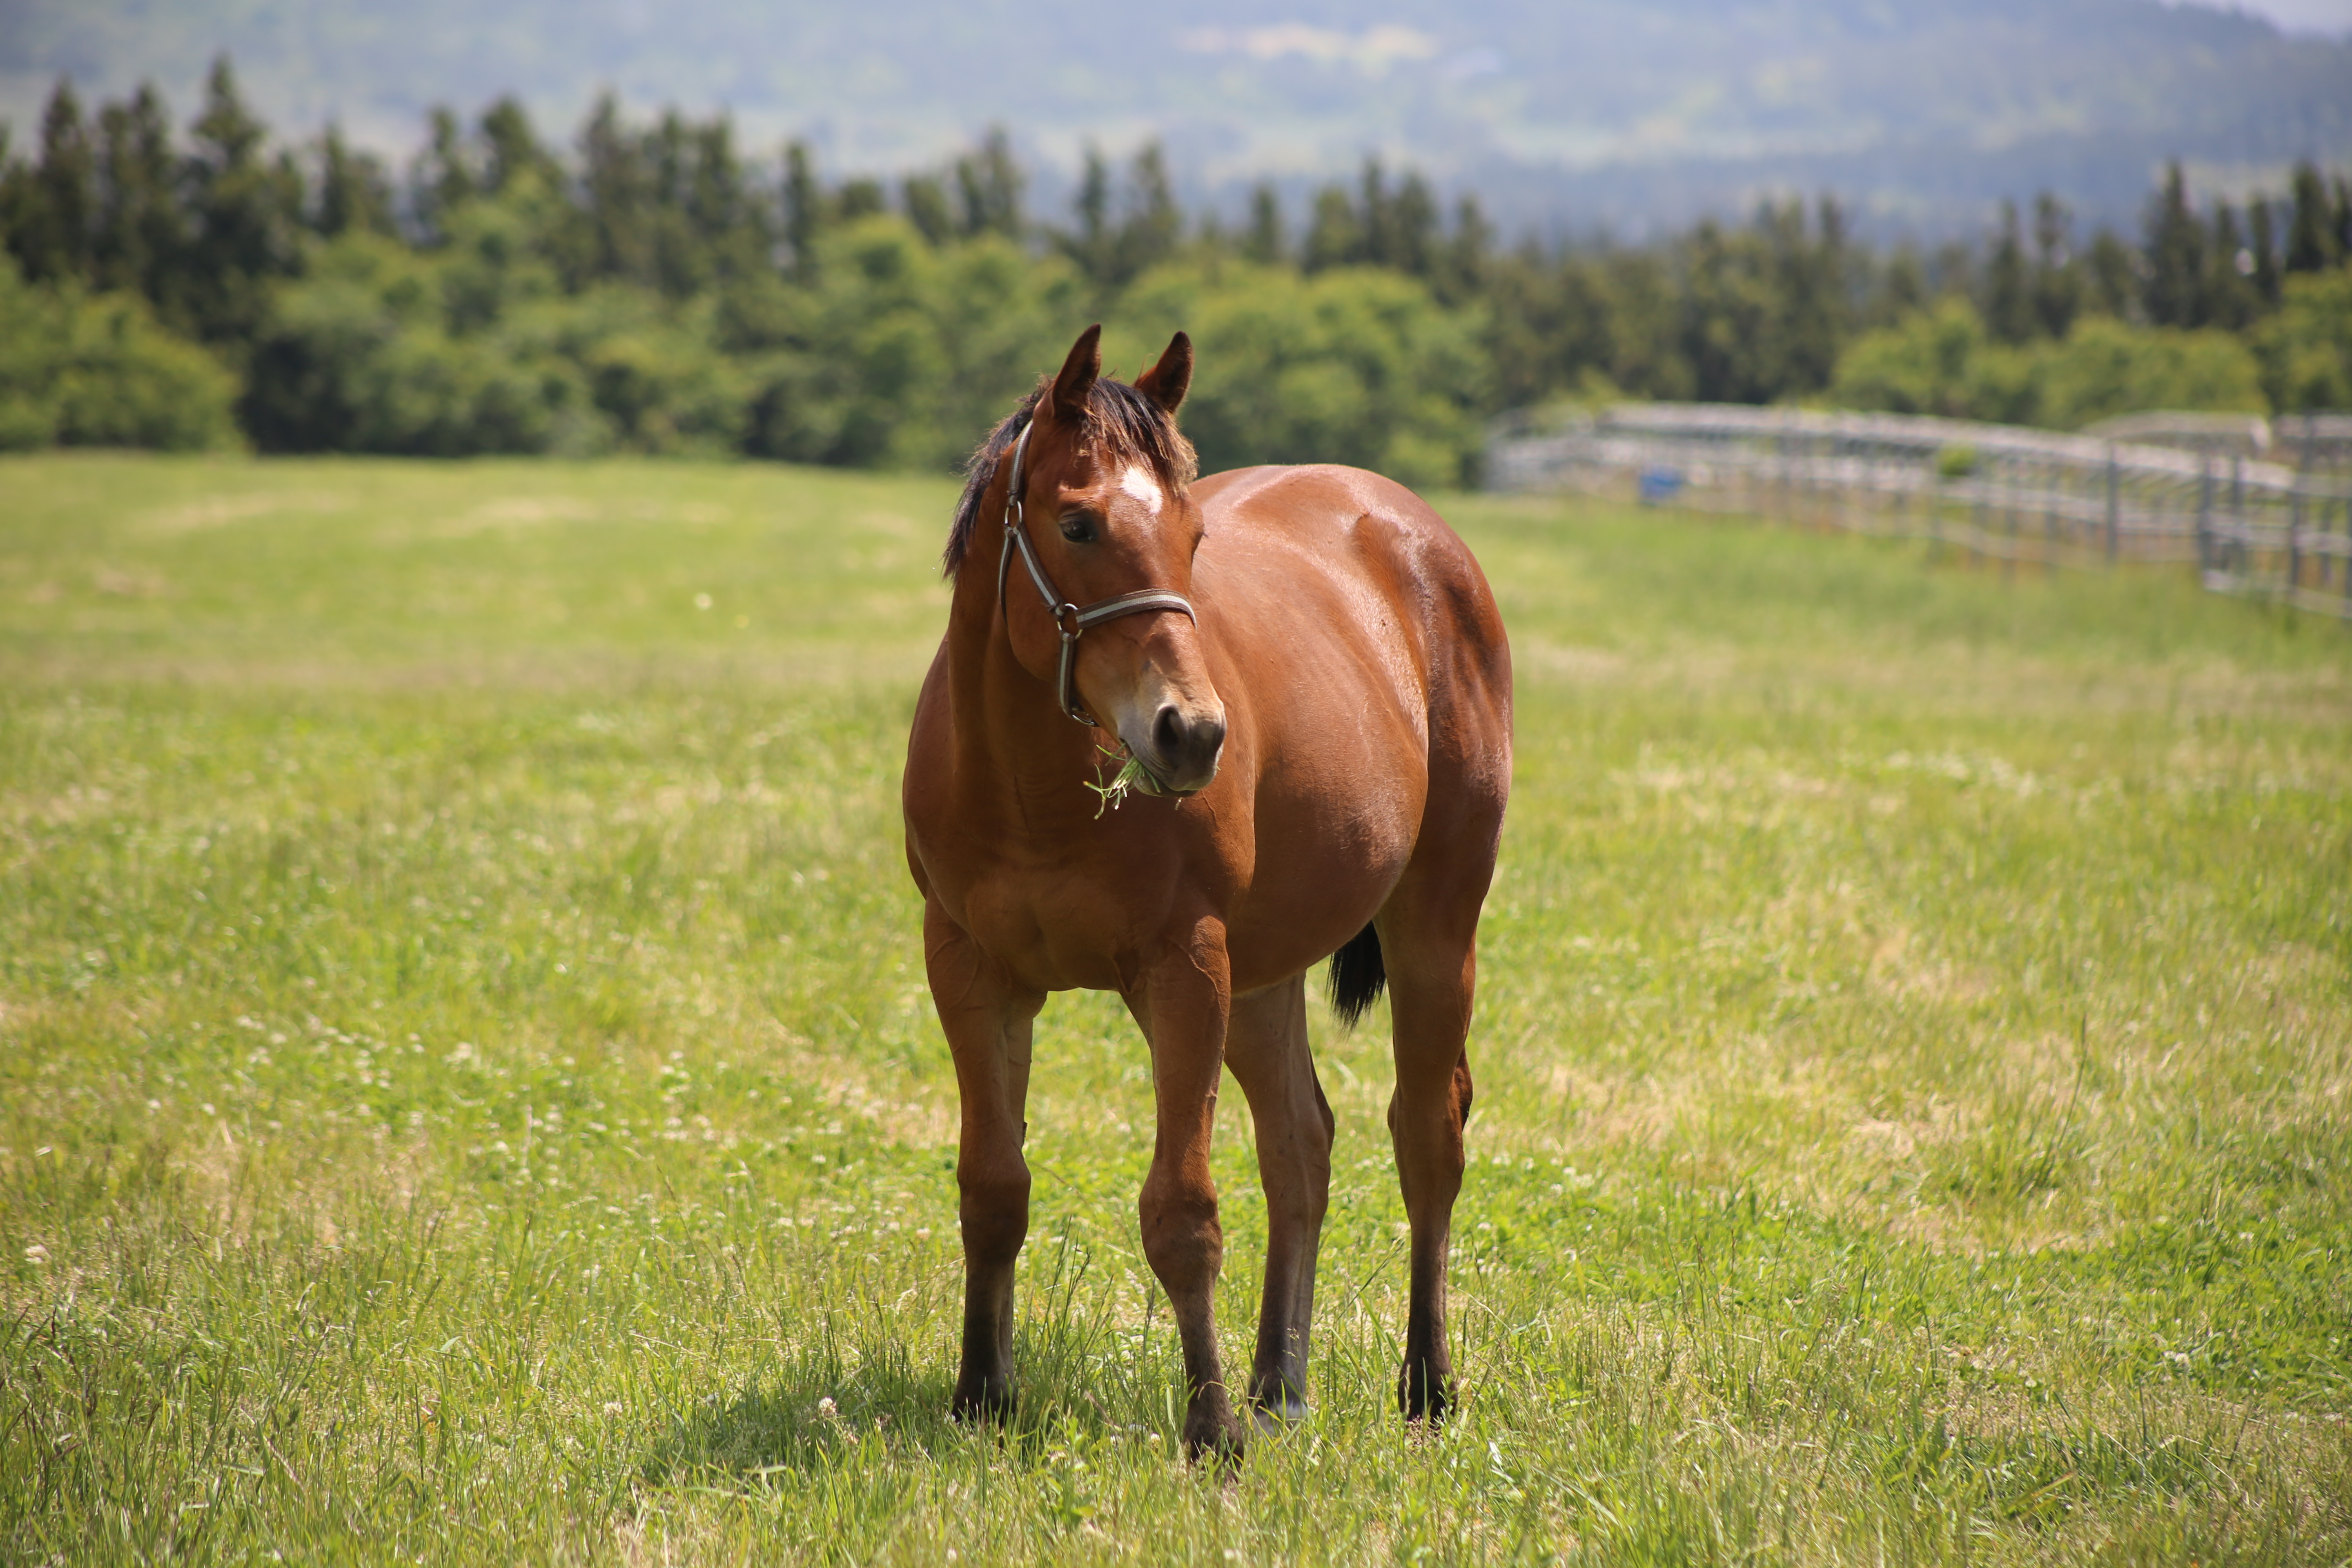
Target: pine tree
1334,235
2057,282
620,195
805,210
2230,300
1152,226
1462,274
1902,288
19,202
141,235
925,199
1413,236
677,260
513,147
988,182
2311,233
2111,274
1808,272
442,178
2174,292
734,231
2008,301
246,213
2263,219
1089,245
52,237
355,194
1264,243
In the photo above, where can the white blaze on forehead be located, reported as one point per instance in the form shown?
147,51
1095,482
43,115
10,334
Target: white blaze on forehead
1142,487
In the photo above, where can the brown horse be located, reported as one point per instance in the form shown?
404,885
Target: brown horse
1307,669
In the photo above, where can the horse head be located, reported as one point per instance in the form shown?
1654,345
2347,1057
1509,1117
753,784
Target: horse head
1111,528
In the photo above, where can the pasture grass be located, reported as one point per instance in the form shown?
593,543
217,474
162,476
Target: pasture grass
467,1092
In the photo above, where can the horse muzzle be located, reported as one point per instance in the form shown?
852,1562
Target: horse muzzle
1181,748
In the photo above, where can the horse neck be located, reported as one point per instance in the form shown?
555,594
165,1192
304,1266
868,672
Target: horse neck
1013,739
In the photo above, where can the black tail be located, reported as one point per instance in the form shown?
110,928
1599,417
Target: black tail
1357,976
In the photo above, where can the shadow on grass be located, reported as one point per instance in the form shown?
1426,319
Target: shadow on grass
811,1414
817,1411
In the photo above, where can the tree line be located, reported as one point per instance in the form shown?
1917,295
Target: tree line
654,288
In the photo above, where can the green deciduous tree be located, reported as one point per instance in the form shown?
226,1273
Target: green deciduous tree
2306,350
1947,362
96,370
1352,366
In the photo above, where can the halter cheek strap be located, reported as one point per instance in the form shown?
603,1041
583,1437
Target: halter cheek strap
1069,620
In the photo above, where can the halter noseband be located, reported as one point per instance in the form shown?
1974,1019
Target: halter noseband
1069,618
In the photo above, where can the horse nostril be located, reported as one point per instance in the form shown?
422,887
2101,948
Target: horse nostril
1209,734
1168,731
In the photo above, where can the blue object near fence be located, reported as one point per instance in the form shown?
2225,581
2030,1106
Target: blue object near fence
1660,486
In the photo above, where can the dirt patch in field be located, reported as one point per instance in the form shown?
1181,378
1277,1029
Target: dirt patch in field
219,511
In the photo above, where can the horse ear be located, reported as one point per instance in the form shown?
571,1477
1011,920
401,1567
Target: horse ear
1166,383
1079,374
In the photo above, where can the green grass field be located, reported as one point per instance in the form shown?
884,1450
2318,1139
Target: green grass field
467,1092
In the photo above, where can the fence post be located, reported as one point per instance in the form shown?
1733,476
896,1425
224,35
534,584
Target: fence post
2295,539
2051,478
2205,516
2115,477
2344,562
2238,553
2009,524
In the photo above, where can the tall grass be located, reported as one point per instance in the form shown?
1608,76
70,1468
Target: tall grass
467,1092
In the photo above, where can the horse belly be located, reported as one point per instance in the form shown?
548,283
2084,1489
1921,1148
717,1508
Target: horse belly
1337,813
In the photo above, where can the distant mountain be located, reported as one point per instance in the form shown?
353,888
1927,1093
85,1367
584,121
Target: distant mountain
1627,113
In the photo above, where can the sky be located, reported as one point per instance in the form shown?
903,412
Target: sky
2330,17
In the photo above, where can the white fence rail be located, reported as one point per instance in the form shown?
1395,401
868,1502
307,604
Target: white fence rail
2014,495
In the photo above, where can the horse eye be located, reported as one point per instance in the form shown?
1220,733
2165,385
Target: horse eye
1078,528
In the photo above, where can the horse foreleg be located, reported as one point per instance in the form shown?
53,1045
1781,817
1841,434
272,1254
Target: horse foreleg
1430,987
988,1017
1265,1047
1183,1005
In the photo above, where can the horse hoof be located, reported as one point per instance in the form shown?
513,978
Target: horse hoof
1272,1413
981,1406
1424,1395
1214,1436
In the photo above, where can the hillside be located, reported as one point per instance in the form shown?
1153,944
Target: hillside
1614,112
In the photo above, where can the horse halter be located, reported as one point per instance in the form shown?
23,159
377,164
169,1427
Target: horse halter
1069,619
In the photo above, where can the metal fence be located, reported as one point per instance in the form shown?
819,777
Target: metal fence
2249,526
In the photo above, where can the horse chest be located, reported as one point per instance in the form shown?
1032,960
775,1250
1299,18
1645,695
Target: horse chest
1058,928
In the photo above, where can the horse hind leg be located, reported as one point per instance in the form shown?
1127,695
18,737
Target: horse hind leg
1267,1048
1430,947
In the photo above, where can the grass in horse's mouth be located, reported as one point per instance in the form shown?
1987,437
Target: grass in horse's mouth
1132,775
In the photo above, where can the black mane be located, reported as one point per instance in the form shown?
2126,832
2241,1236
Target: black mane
1129,423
